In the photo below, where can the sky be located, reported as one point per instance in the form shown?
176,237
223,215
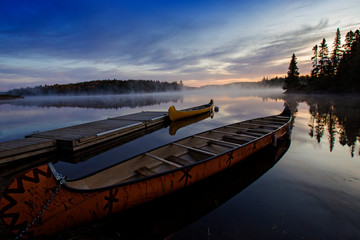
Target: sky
198,42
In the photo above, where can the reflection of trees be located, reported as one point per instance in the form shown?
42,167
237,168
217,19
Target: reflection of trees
349,120
338,115
293,105
322,116
332,128
98,102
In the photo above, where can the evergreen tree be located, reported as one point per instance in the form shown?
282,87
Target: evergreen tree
349,39
292,79
339,72
324,56
315,62
336,53
349,67
354,66
324,65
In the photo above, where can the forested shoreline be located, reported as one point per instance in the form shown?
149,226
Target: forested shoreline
99,87
336,71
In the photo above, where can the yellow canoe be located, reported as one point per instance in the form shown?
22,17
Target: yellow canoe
190,112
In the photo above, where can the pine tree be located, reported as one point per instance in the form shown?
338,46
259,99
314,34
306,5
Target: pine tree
349,39
324,65
336,53
323,55
292,79
349,67
315,62
354,67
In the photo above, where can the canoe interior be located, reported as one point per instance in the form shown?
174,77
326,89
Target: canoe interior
187,151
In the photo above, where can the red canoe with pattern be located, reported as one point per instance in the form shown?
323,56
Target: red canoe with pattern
41,202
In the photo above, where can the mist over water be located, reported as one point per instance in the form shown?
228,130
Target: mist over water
97,101
311,193
32,114
36,114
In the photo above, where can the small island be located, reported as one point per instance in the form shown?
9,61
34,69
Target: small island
96,87
9,97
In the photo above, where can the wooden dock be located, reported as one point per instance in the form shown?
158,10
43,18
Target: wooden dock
78,137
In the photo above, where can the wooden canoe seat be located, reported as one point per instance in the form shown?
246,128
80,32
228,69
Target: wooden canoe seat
197,150
259,130
234,139
163,160
223,144
144,171
251,132
218,142
179,160
267,125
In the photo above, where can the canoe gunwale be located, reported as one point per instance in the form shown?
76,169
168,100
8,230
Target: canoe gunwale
201,107
170,171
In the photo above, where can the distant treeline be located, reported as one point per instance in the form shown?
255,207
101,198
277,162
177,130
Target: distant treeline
280,81
99,87
273,82
265,83
8,97
335,71
100,101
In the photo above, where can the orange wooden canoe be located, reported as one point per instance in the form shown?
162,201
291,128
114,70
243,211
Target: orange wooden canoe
41,202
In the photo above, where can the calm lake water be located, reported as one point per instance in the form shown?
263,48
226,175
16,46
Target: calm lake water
308,188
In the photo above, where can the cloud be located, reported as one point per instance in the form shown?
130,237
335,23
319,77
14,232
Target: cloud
268,54
168,40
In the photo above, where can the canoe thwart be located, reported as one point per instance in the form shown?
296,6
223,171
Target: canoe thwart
196,149
162,160
179,160
234,139
218,142
144,171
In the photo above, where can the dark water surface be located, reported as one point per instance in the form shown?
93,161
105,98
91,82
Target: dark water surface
311,192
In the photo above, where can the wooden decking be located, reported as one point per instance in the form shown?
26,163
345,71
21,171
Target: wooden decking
78,137
24,148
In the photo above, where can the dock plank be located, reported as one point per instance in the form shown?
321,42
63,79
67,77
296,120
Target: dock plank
84,135
84,130
24,146
80,136
142,116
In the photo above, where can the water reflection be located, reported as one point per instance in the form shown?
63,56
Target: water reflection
338,116
312,189
334,116
119,145
97,101
176,125
163,217
23,117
